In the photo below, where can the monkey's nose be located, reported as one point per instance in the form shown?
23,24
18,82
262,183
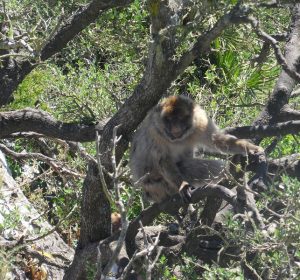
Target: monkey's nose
176,132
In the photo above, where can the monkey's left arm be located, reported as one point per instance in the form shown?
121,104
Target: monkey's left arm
227,143
218,141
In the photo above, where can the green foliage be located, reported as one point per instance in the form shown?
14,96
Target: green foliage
288,145
81,95
6,261
10,220
91,270
30,90
216,272
163,272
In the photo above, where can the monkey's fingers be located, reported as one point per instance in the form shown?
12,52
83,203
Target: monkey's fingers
256,150
185,192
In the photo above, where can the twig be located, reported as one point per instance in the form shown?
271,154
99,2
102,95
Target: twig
273,42
119,204
57,166
52,33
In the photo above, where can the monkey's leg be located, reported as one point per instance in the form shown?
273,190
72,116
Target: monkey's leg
175,180
199,172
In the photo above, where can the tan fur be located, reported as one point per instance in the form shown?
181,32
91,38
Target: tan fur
169,161
115,222
200,119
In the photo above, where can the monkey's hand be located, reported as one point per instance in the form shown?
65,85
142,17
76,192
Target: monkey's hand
255,150
185,192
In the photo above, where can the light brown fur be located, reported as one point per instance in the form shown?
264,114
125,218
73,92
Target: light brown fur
164,161
115,222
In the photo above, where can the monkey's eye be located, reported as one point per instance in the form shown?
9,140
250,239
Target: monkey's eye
186,117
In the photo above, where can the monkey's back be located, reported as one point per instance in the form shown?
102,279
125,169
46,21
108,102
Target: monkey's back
145,152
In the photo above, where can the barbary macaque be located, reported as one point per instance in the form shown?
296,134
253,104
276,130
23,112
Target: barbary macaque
162,158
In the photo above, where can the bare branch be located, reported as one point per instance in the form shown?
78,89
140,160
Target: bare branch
172,205
278,129
273,42
101,173
119,204
33,120
53,229
289,164
202,44
287,113
57,166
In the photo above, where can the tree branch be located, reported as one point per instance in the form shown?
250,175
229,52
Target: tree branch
33,120
278,129
77,22
289,69
287,113
54,164
171,206
202,44
289,164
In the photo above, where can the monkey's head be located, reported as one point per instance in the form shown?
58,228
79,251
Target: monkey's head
176,117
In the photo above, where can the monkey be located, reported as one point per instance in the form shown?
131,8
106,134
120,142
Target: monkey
162,159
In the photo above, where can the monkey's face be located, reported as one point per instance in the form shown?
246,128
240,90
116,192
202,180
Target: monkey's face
177,117
176,127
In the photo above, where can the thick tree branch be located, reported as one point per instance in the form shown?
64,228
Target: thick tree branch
77,22
287,113
278,129
37,121
289,165
172,205
34,120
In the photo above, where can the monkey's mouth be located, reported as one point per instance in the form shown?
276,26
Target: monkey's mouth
174,136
